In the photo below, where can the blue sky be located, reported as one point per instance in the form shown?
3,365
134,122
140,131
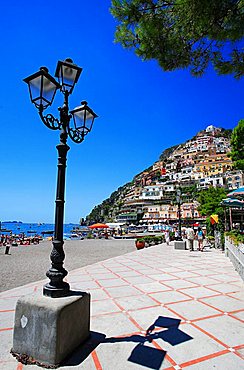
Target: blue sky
142,110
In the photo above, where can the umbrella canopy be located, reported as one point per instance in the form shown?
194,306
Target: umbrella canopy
98,226
236,193
232,202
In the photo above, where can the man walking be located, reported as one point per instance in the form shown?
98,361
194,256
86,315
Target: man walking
190,237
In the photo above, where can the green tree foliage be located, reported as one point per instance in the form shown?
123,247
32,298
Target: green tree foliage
210,199
237,146
184,33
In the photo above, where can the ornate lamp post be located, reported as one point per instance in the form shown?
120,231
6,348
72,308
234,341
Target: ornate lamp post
42,88
179,202
192,213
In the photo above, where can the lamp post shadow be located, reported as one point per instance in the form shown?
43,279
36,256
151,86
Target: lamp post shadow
145,355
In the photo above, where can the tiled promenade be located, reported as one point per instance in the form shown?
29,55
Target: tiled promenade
157,308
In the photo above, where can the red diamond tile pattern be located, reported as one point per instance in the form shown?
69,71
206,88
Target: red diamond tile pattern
157,308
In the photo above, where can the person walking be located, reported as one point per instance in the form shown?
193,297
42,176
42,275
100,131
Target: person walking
167,237
200,239
190,237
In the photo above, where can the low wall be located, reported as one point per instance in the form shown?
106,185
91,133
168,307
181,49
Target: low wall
236,255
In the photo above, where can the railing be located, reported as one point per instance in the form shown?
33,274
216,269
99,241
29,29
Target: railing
236,255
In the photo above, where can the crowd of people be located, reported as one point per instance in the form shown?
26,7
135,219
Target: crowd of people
14,240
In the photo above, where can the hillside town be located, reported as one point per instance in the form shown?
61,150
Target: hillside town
150,199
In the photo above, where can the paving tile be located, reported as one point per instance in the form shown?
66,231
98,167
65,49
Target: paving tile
18,292
169,297
80,277
123,291
199,292
193,310
7,303
237,295
225,287
238,283
131,355
115,324
108,275
98,294
240,351
138,280
187,343
162,277
96,270
226,361
204,272
203,280
179,284
147,271
239,315
171,269
225,277
152,287
129,273
85,285
145,318
6,343
6,320
112,282
185,274
77,279
121,269
224,303
225,328
135,302
104,306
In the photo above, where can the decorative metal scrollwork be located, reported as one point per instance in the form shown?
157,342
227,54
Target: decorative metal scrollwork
76,135
50,121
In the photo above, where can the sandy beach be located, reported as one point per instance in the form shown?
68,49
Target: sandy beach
27,264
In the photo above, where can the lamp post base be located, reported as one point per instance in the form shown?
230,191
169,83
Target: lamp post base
46,331
56,292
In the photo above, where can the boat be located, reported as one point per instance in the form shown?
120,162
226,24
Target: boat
31,231
49,232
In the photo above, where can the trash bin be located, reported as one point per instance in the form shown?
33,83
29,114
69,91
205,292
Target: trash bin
7,249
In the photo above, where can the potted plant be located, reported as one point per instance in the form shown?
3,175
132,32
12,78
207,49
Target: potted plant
140,243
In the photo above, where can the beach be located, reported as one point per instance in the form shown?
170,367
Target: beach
26,264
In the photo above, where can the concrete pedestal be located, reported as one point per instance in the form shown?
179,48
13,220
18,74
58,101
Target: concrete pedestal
180,244
47,330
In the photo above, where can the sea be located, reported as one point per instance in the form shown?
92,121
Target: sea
31,229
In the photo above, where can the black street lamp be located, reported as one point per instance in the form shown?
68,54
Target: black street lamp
192,212
179,201
42,88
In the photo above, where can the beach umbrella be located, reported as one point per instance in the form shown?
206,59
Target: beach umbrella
236,193
232,202
98,226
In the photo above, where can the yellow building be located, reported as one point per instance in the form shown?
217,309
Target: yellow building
214,165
